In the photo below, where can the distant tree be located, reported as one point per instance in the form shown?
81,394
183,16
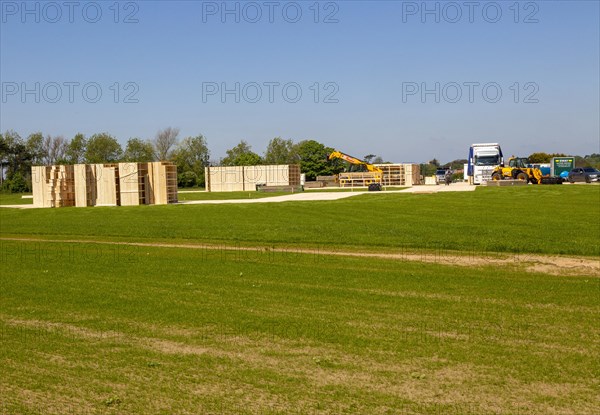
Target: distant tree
164,141
35,146
17,159
369,158
55,149
75,151
138,150
592,160
543,157
378,160
192,156
103,148
434,162
313,159
427,169
241,155
456,164
187,179
280,151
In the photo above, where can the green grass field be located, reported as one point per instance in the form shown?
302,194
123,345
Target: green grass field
536,219
89,328
226,195
14,199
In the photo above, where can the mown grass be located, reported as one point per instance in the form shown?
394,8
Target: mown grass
226,195
533,219
89,328
14,199
346,189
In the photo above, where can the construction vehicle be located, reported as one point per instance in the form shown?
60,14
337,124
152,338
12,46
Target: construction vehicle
517,170
482,161
364,173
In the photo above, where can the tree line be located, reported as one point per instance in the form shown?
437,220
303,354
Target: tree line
190,154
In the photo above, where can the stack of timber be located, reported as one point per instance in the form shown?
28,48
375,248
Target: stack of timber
249,178
122,184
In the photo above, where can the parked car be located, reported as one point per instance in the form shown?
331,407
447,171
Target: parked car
584,174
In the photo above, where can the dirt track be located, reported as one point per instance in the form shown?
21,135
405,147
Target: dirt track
554,265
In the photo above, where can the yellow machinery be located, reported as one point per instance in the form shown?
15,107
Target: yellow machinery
372,179
517,170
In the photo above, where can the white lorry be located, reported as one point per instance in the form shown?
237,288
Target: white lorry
483,159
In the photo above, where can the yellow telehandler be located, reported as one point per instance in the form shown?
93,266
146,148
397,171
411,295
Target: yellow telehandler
373,178
517,170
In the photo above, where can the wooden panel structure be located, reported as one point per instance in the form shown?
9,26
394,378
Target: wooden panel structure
53,186
246,178
123,184
133,181
224,179
404,174
38,183
162,183
85,185
107,185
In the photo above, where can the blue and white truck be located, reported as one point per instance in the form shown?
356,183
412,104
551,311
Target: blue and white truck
483,159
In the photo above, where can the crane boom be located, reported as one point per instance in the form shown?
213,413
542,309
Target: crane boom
353,160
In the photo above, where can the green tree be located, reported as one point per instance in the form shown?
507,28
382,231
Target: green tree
428,169
37,149
456,164
103,148
280,151
75,151
139,151
313,159
241,155
17,159
192,156
543,157
369,158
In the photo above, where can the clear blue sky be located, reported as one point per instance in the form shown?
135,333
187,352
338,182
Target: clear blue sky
374,52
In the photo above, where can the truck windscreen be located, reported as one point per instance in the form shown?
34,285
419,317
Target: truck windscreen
486,160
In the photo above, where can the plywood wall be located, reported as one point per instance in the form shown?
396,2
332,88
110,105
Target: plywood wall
246,178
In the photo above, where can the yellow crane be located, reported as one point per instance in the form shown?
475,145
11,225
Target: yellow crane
374,180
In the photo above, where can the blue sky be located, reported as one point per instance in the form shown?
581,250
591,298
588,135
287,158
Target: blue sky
366,57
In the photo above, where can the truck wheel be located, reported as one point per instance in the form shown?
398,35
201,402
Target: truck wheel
587,179
534,180
522,176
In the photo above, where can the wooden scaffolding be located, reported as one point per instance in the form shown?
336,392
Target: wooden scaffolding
404,174
357,179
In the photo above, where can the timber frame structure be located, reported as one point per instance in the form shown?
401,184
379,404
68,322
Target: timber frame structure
109,184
